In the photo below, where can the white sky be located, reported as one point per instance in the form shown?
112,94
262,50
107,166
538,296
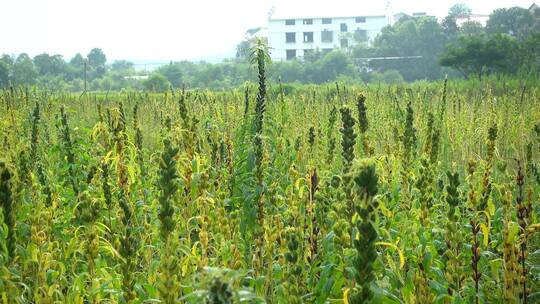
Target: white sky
171,30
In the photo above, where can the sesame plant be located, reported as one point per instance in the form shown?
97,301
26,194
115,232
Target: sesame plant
272,193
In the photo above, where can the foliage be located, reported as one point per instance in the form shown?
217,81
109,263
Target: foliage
411,37
515,21
478,55
412,49
96,63
173,73
259,194
157,83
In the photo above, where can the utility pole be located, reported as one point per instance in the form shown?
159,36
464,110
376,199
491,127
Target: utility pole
85,68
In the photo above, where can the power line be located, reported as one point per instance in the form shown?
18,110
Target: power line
388,58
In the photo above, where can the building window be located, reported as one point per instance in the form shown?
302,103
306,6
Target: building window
290,22
344,42
360,19
343,27
290,37
326,21
308,36
327,36
360,35
291,54
308,21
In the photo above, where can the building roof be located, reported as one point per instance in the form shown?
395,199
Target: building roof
350,11
322,17
258,32
398,16
482,19
414,15
473,16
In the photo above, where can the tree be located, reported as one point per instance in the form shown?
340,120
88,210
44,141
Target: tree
7,60
466,57
96,58
209,75
459,10
77,61
530,52
75,68
157,83
96,62
242,49
42,63
6,66
449,26
312,56
449,23
515,21
334,64
288,71
4,74
24,72
49,65
476,55
317,67
50,82
472,28
414,37
122,66
58,66
173,73
392,77
502,54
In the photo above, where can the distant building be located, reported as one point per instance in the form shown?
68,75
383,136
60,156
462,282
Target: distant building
482,19
136,77
257,32
535,9
402,15
294,37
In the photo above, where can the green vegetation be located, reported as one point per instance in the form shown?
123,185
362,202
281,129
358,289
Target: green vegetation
276,192
421,193
509,44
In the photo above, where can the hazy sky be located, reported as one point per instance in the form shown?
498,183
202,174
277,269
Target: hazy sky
171,30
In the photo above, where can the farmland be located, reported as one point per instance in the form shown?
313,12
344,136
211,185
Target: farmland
416,193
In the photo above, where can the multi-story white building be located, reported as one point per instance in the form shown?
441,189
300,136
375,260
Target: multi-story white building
478,18
291,38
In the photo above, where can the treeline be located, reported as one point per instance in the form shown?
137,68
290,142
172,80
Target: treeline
426,50
509,44
55,73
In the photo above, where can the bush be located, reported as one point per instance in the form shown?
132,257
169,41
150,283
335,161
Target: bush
156,83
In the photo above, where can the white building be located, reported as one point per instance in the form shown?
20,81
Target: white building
401,15
478,18
535,9
257,32
293,37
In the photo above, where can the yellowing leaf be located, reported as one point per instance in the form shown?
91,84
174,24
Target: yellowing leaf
513,230
299,187
387,212
395,247
485,231
346,296
490,207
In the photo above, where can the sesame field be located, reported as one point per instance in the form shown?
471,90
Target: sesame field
272,193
